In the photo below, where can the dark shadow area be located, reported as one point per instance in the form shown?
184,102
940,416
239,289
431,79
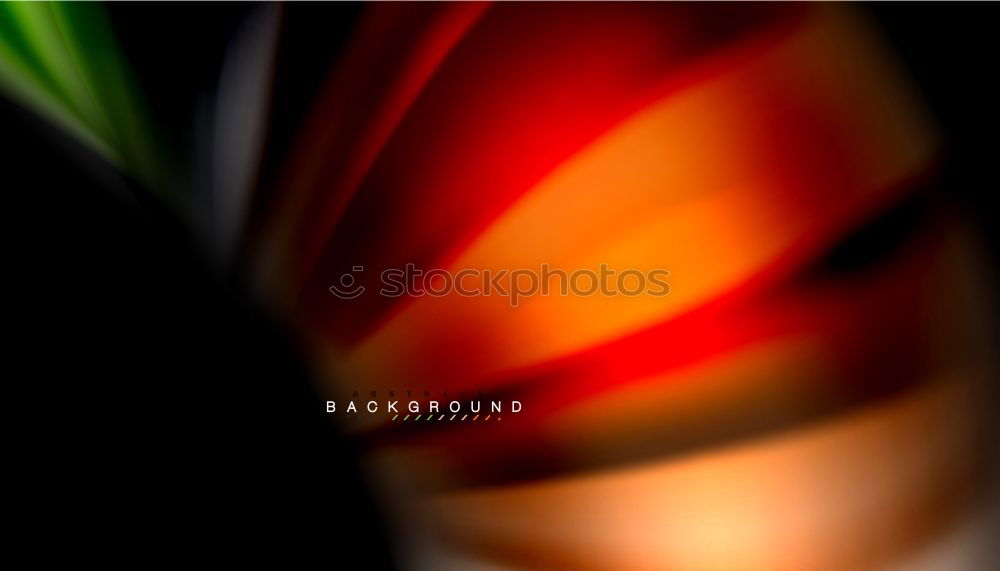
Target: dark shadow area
163,414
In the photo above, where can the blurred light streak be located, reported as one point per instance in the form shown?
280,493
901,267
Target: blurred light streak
718,184
496,118
61,59
240,126
394,53
849,494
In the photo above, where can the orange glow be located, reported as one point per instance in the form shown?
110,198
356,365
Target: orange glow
703,184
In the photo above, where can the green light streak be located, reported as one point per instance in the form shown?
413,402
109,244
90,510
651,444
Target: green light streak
62,61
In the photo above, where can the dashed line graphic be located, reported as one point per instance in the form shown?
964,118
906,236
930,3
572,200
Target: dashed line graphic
430,417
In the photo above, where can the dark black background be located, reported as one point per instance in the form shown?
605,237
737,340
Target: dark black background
154,406
164,416
949,49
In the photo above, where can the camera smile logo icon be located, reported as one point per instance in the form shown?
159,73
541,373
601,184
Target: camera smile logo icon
348,289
